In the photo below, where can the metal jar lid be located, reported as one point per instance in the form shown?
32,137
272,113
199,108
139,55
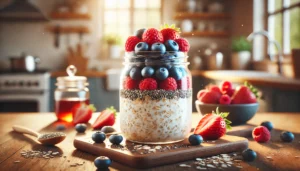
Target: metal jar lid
71,81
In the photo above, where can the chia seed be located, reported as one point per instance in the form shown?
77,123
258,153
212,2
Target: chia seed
51,135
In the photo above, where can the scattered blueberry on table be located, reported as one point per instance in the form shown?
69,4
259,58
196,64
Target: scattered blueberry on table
287,136
116,139
108,129
102,162
268,125
98,137
60,127
80,128
249,155
195,139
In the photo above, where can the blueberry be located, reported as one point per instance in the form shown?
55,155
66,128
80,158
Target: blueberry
80,128
126,71
176,73
268,125
141,47
102,162
108,129
135,73
184,73
139,33
98,137
195,139
159,48
287,136
179,54
162,73
60,127
116,139
147,71
249,155
171,45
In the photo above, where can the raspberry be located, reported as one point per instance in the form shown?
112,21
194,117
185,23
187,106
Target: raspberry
184,83
225,99
148,84
168,84
131,42
184,45
130,84
152,35
261,134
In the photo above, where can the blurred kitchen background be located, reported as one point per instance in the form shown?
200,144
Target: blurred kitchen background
39,39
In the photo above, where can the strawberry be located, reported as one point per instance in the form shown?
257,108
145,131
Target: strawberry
130,84
243,95
261,134
183,44
168,84
209,97
82,113
148,84
131,42
225,99
170,32
106,118
152,35
212,126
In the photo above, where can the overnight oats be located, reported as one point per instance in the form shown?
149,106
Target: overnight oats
156,88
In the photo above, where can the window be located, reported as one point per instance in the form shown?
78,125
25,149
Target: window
123,17
284,23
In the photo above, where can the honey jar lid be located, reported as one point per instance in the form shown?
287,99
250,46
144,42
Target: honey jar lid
71,80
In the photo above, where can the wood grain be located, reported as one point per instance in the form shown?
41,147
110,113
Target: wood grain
11,143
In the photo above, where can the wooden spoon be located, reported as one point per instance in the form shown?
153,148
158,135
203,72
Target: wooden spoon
50,138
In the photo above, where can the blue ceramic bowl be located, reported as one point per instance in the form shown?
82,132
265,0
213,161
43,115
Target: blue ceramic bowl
238,113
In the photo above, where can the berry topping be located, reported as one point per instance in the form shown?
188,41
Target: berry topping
212,126
130,84
261,134
176,73
195,139
268,125
147,71
80,128
131,42
287,136
135,73
225,99
168,84
116,139
98,137
108,129
171,45
183,44
140,48
148,84
162,73
249,155
159,48
102,162
139,33
170,32
152,36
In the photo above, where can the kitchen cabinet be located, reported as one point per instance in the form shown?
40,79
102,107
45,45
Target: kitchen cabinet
99,96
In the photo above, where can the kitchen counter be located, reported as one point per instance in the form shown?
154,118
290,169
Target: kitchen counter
282,154
255,77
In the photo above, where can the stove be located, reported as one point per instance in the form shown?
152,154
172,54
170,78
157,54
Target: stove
24,92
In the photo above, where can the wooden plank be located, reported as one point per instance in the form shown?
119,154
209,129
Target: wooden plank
205,34
198,15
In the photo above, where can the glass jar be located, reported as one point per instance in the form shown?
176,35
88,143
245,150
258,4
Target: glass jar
71,91
156,98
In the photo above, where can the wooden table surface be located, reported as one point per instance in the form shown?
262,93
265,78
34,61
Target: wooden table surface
284,155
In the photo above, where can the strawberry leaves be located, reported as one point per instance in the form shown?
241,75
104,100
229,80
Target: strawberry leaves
92,107
172,26
113,110
252,89
224,116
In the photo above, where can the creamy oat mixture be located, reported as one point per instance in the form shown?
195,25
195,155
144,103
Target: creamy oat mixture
155,121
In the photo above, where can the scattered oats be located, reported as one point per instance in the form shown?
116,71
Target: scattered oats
239,167
55,153
17,161
237,161
229,162
227,159
224,165
210,166
201,168
184,165
146,147
269,157
158,147
199,159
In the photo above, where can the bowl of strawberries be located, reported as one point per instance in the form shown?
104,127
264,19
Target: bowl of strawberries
240,102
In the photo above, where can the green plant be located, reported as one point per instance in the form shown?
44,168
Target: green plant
241,44
112,39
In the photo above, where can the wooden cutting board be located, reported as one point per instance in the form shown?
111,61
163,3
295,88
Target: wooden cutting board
164,154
